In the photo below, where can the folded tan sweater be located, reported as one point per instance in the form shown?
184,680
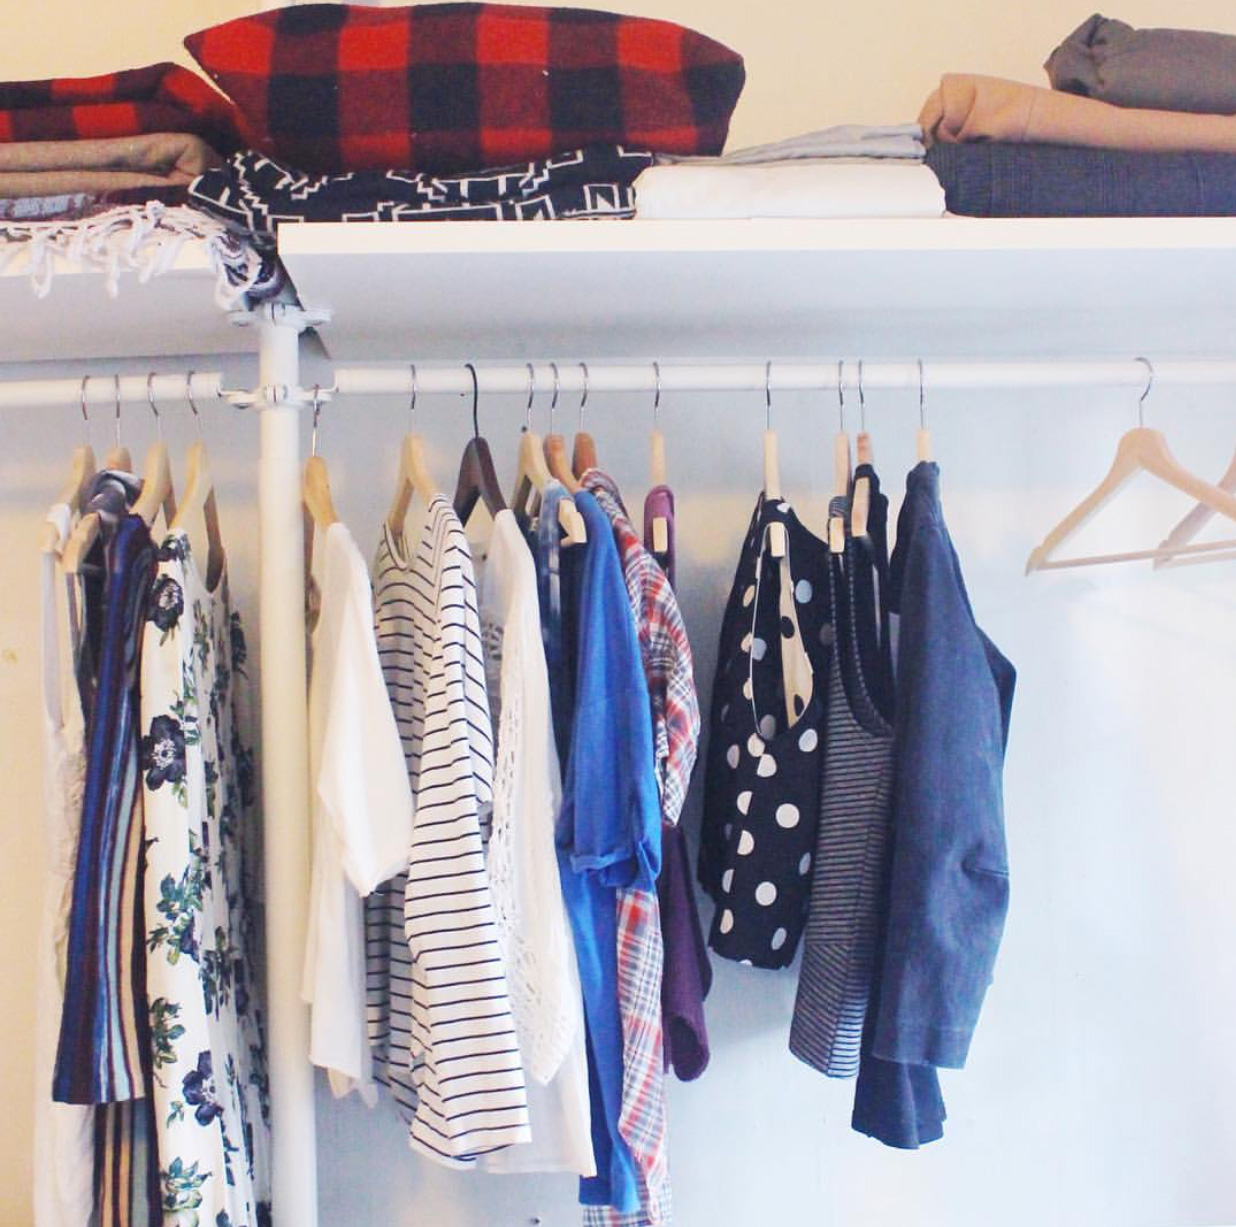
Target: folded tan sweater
976,108
49,168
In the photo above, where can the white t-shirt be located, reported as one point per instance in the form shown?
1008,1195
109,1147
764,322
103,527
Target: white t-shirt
523,866
361,804
440,1016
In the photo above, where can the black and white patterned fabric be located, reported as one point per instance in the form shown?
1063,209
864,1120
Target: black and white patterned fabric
256,194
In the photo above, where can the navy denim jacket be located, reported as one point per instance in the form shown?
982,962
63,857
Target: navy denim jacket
948,885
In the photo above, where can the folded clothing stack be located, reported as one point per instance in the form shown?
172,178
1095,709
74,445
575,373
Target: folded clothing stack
846,171
74,146
1139,123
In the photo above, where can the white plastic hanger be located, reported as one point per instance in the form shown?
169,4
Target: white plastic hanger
860,502
660,525
1139,450
414,476
843,471
157,491
199,498
73,493
772,468
922,446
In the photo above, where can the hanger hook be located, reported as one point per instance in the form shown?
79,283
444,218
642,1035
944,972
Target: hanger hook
531,394
81,396
862,400
197,417
553,404
317,412
153,407
476,400
768,395
412,402
922,413
1141,400
583,399
656,399
116,394
841,395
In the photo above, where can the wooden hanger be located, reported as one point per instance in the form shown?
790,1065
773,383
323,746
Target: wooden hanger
860,501
555,446
199,500
315,487
81,470
777,544
922,442
660,525
1192,524
118,457
157,491
843,469
532,475
478,480
1139,450
584,457
414,475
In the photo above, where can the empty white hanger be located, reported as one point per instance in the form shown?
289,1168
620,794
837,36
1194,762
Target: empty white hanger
1139,450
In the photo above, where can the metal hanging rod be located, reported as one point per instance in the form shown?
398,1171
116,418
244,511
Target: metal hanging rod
100,390
784,376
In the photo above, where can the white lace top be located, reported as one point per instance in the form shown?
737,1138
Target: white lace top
523,866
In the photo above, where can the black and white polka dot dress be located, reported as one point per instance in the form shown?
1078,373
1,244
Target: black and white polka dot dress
765,751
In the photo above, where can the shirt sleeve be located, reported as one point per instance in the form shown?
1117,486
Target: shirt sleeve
611,809
363,779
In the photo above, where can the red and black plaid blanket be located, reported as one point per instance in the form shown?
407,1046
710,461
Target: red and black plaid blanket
445,88
160,98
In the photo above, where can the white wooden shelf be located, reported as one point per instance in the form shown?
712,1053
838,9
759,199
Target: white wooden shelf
171,313
1050,288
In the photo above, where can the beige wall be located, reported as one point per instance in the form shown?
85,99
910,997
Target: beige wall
808,64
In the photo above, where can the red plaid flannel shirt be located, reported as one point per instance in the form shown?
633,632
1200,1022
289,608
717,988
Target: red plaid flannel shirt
457,87
667,661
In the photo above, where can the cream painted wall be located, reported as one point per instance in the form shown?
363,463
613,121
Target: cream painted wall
808,64
1101,1083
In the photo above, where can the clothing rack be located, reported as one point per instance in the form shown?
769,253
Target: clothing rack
279,397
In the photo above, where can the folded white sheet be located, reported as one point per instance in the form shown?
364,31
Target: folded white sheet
832,188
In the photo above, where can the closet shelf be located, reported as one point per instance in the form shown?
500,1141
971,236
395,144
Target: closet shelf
961,287
173,312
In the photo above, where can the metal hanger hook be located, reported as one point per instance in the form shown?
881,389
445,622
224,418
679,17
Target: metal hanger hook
85,412
862,400
476,401
412,402
922,413
317,413
153,407
553,404
583,399
116,393
656,398
841,396
1141,400
197,417
531,394
768,395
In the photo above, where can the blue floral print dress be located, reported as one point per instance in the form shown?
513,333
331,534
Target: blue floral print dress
203,948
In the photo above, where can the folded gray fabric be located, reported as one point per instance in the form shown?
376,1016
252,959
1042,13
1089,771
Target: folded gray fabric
903,141
1165,70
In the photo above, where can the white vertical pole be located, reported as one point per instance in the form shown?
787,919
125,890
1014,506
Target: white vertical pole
285,776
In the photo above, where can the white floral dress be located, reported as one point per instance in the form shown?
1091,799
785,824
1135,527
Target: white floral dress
203,948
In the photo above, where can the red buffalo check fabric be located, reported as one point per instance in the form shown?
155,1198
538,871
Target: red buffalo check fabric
135,102
675,715
454,87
